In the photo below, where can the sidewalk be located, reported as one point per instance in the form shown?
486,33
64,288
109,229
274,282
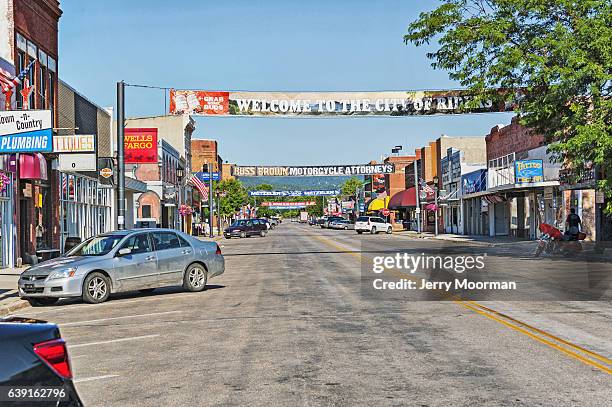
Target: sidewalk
501,241
9,300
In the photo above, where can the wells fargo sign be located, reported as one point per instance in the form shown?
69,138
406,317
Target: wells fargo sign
312,171
140,146
327,104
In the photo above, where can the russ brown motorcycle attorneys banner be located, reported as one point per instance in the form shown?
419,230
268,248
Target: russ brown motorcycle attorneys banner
327,104
312,171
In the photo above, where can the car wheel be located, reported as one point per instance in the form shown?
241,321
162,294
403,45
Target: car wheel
96,288
243,234
195,278
262,233
228,237
389,230
146,290
359,232
373,230
42,301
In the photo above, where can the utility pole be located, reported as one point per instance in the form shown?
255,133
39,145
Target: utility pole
120,156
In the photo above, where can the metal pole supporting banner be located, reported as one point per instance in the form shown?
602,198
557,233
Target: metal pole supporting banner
120,156
418,199
436,209
210,199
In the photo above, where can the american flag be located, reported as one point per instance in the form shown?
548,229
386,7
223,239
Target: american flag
196,182
16,80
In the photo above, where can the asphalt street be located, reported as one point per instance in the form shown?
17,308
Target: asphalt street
289,323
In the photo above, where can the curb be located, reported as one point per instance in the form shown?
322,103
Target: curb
11,306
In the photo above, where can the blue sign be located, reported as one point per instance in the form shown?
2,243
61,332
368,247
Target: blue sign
473,182
37,141
361,207
205,176
528,171
295,193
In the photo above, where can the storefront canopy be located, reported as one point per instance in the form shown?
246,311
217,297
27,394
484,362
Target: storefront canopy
378,204
403,199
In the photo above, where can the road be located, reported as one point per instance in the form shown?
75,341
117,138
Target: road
288,324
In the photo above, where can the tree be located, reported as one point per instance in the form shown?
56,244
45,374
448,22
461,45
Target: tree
349,187
235,196
557,54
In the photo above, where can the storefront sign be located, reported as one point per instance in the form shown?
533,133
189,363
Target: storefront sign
106,172
326,104
332,192
140,146
299,204
473,182
528,171
74,143
312,171
77,162
25,131
170,196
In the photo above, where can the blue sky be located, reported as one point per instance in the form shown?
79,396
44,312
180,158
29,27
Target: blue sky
262,46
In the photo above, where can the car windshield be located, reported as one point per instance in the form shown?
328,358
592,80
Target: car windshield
239,223
96,246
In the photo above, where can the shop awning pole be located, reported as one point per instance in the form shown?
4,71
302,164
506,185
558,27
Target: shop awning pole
418,200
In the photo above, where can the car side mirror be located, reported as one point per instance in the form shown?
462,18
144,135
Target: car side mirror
124,251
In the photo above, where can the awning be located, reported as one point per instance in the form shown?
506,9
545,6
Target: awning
403,199
32,166
135,185
378,204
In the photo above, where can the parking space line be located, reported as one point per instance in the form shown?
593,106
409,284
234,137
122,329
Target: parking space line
132,338
89,379
115,318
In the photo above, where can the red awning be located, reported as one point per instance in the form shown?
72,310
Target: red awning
32,166
403,199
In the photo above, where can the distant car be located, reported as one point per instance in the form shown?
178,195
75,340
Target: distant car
34,355
321,221
126,260
273,222
246,228
266,222
342,224
373,225
325,225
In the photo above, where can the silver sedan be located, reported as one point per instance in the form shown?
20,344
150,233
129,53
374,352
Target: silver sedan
141,259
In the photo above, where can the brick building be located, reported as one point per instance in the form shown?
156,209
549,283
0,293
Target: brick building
29,32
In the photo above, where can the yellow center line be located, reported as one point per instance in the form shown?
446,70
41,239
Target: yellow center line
497,316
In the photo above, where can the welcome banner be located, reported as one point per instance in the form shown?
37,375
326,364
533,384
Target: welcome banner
327,104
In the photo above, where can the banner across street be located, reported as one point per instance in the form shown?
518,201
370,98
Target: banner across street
312,171
332,192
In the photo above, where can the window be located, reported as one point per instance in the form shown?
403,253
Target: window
166,240
146,211
138,243
184,243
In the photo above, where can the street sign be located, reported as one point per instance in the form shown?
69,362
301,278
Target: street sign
205,176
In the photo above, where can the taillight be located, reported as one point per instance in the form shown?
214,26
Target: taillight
218,250
55,354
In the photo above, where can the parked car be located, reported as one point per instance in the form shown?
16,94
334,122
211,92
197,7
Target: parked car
330,219
342,224
273,222
246,228
373,225
265,222
126,260
34,354
321,221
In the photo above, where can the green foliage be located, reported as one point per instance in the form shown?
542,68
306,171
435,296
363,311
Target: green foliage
557,54
236,196
316,210
349,187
